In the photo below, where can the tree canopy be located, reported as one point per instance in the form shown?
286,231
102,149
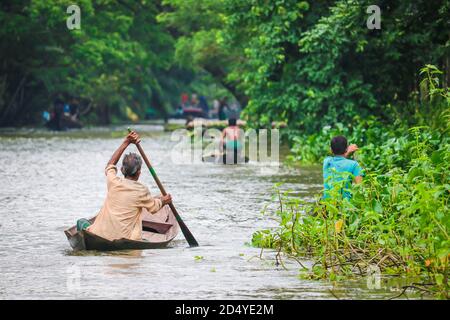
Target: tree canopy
119,57
306,63
314,63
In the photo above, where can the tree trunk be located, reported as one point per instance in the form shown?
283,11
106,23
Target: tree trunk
5,114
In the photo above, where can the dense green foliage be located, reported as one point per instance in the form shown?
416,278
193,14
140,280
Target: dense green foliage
398,219
305,63
121,57
369,131
312,64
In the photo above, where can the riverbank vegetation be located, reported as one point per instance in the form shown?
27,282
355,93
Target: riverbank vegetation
397,220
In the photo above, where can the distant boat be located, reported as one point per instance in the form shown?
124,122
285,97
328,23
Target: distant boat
65,122
187,112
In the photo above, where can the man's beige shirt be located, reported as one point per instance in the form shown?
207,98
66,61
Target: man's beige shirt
120,216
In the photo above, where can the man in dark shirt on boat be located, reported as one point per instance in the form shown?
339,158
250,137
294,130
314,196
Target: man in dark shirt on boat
121,214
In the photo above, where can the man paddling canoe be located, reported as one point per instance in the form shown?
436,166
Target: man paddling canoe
120,216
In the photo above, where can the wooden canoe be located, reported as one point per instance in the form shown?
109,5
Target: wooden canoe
158,230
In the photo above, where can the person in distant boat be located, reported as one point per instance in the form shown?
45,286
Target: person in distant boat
58,112
184,100
120,216
179,112
203,104
194,100
215,109
223,107
74,110
338,170
231,140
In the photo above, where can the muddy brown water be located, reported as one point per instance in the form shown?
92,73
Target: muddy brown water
49,180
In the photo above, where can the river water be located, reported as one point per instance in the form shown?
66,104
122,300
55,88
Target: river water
49,180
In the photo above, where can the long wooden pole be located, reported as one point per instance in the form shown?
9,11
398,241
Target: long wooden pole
186,232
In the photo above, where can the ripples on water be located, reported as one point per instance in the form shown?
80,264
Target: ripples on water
52,179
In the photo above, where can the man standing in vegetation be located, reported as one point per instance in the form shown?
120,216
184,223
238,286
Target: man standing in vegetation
223,106
338,171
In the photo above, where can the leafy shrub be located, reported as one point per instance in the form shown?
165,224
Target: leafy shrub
397,218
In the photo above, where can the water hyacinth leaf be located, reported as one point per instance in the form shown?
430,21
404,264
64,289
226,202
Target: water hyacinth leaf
378,208
438,156
439,279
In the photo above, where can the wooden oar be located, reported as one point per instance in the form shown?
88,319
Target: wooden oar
187,234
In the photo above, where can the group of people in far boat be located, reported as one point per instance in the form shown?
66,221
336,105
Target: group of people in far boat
63,116
197,106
